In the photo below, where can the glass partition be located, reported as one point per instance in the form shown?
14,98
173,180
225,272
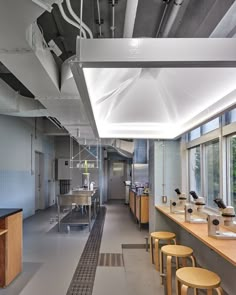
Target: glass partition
232,170
212,172
195,169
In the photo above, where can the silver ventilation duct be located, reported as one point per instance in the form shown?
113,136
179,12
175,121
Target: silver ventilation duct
14,104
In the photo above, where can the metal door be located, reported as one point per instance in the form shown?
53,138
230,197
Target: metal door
117,176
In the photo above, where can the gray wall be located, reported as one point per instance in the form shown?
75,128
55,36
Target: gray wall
17,155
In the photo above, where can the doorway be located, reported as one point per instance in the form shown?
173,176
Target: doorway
117,176
39,187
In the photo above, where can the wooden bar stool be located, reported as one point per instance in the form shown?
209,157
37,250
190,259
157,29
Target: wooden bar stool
177,251
197,278
155,237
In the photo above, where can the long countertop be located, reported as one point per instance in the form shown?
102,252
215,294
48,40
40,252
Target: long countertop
5,212
225,248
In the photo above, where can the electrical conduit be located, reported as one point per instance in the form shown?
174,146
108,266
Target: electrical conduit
78,20
67,19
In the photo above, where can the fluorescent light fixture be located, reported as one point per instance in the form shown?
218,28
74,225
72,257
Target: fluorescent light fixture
154,88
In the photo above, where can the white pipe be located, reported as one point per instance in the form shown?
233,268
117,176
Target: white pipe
130,15
99,19
162,18
113,19
67,19
174,12
78,20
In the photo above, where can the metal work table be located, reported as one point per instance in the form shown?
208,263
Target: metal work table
79,205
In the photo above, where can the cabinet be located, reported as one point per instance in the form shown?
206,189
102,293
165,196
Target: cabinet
63,169
132,201
139,206
10,245
142,209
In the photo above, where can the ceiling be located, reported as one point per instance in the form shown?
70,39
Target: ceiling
41,72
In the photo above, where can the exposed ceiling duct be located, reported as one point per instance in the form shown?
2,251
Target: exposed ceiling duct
123,147
23,50
12,103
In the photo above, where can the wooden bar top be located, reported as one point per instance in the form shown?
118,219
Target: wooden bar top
225,248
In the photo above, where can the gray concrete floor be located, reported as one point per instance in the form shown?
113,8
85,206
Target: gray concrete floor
50,258
138,275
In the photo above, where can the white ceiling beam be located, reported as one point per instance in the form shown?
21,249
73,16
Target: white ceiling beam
156,53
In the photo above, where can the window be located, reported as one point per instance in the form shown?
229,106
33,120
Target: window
212,172
231,116
195,133
232,170
212,125
195,170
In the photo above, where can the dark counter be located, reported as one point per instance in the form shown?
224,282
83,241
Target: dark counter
7,212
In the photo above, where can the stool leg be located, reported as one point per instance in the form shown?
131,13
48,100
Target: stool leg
176,258
157,254
176,262
177,286
184,261
209,292
151,249
193,260
184,290
168,275
161,266
219,291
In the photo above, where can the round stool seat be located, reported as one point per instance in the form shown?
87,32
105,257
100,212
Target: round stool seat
196,277
155,237
177,250
162,235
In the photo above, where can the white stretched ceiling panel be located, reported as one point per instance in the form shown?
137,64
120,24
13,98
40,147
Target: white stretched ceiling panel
146,101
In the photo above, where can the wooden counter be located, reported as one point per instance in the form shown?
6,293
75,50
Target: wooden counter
225,248
139,206
142,209
10,245
132,199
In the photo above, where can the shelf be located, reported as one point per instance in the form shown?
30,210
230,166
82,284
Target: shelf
3,231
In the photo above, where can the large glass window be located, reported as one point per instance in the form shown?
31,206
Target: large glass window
195,170
231,115
232,170
209,126
212,172
195,133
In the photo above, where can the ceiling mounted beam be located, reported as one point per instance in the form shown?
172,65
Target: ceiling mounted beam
156,53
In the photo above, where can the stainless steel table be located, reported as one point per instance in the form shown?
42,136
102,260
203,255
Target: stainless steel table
75,201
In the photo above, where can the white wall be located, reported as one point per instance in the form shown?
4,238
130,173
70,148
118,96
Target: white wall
17,155
171,178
